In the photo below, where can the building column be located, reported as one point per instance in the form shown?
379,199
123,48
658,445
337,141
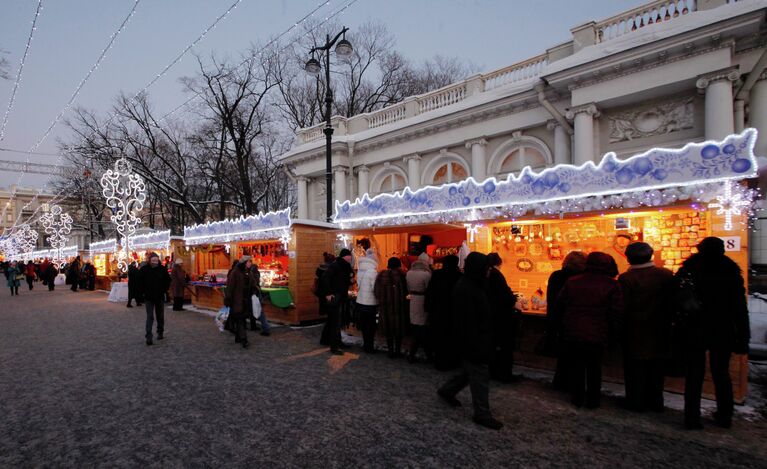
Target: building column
720,121
478,158
740,116
363,181
413,171
339,184
757,114
583,119
561,143
303,197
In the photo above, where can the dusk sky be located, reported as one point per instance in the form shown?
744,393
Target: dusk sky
71,34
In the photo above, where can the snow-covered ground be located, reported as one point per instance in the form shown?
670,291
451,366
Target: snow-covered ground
757,307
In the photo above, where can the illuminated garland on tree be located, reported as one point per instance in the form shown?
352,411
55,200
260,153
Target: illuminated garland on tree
57,224
125,193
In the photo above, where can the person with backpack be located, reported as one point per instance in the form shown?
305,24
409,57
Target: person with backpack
716,323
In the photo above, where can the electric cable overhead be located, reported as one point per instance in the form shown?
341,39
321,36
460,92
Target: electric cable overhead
71,101
59,196
17,81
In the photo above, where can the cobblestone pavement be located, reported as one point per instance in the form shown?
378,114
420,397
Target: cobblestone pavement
79,388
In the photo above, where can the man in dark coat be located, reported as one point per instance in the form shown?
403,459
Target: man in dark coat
591,304
240,287
74,273
154,281
50,274
134,287
721,327
503,306
438,298
573,264
646,292
178,282
473,320
334,288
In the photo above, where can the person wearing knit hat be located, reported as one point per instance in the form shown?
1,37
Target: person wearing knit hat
245,258
646,325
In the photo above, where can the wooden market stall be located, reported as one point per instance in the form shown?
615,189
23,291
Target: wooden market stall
102,256
283,250
670,199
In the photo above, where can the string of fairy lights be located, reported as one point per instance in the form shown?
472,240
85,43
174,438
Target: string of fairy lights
69,104
165,70
17,81
60,195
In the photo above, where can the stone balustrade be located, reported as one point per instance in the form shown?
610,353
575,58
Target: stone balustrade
590,33
518,72
651,13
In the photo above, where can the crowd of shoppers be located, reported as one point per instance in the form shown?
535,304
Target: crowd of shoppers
468,320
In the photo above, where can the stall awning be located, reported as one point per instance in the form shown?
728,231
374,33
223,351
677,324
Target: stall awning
272,225
657,177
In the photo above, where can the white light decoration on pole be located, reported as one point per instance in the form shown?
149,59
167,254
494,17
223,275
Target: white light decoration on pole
731,202
57,225
125,193
471,230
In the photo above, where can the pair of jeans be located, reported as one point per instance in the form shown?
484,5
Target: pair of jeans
30,280
155,309
367,325
477,377
695,372
265,326
585,372
644,383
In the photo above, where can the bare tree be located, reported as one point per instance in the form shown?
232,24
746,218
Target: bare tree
5,66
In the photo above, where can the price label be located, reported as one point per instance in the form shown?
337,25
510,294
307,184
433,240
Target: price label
731,243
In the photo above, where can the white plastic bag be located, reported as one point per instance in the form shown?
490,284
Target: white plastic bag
256,306
60,279
221,316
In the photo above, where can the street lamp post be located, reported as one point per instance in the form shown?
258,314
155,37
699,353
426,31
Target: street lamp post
313,66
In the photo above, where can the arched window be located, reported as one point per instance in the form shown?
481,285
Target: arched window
390,179
520,157
449,172
516,153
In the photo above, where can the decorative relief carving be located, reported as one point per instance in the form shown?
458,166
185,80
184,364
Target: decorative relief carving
657,120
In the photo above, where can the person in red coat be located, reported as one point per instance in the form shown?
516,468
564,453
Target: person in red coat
591,304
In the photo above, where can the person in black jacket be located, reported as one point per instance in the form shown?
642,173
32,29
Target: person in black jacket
473,320
334,288
134,287
503,306
154,281
438,295
573,264
721,327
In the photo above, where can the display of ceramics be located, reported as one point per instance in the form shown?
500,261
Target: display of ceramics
525,265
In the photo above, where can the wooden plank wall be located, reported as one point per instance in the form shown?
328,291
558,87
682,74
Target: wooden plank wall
307,243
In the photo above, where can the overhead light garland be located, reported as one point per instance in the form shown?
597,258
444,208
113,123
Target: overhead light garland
57,225
17,81
125,194
654,178
155,240
101,247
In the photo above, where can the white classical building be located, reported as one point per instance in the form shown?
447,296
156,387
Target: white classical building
660,75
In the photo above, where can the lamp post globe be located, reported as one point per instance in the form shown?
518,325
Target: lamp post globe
344,48
313,66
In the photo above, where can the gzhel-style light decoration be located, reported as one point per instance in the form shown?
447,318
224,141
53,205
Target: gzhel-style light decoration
731,202
25,237
125,193
285,239
344,238
57,225
471,230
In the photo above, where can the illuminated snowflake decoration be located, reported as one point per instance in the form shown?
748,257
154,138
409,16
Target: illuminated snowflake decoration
57,225
733,201
285,239
344,238
472,230
125,193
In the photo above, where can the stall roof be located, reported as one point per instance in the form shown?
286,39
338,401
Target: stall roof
657,177
271,225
